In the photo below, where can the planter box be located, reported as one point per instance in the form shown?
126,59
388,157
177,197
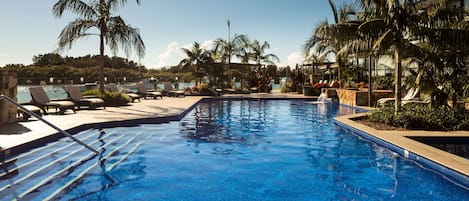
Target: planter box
311,91
360,97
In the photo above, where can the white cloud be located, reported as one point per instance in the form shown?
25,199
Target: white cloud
187,46
295,58
171,56
208,44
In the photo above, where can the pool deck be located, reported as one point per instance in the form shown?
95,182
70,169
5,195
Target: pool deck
15,135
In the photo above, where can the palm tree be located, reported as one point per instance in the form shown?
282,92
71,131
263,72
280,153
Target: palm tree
196,57
333,38
259,56
225,49
96,15
398,26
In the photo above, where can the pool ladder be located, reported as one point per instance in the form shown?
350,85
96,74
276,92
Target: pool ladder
3,97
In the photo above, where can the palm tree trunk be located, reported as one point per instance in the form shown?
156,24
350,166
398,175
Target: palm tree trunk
397,79
101,48
101,63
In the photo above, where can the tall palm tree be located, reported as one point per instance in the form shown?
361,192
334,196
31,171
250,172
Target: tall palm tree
225,49
258,54
196,57
332,38
399,26
96,16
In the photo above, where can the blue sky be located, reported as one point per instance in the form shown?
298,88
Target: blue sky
28,27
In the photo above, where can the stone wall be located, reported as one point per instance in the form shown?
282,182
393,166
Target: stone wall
8,87
360,97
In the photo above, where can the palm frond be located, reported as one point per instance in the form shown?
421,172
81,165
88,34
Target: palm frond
114,4
76,6
121,33
73,31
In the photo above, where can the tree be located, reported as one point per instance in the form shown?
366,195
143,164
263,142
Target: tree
399,26
225,49
258,54
196,57
96,15
48,59
333,38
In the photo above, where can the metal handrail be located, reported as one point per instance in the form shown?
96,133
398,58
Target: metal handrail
48,123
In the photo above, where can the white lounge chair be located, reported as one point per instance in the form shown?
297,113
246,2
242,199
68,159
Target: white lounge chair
410,96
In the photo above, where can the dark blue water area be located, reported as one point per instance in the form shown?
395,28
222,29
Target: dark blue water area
262,150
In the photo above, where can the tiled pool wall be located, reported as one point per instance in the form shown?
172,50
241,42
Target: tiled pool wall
446,172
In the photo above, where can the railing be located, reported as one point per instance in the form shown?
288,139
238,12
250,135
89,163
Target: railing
3,97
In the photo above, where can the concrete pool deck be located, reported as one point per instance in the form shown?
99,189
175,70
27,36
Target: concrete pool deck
12,136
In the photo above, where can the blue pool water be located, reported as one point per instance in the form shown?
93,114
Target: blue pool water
262,150
226,150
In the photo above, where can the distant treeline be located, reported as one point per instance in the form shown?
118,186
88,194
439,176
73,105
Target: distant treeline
52,68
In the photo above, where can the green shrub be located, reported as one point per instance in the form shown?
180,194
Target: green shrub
415,116
110,98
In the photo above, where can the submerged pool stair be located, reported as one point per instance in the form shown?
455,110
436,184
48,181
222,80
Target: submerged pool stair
49,172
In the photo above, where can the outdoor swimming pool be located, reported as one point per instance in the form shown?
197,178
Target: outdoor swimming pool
255,150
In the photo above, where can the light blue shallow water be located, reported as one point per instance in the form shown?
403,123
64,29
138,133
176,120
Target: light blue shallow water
262,150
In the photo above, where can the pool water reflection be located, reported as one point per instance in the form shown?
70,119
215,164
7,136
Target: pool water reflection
263,150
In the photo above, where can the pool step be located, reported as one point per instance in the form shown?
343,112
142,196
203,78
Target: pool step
47,172
28,162
104,168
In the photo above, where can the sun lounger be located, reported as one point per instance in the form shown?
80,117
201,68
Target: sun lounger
142,91
169,89
77,97
411,95
132,96
41,100
23,115
416,101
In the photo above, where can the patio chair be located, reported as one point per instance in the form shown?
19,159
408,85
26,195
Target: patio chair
77,97
142,91
132,96
23,115
417,101
40,99
169,89
411,95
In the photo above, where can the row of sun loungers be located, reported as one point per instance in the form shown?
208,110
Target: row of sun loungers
40,102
